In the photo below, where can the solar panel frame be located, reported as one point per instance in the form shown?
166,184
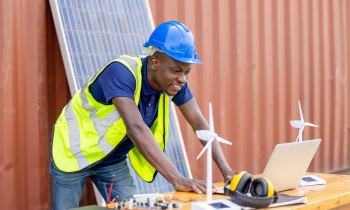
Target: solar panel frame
76,44
68,66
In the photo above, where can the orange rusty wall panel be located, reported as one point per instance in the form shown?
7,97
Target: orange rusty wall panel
21,88
22,107
259,59
33,91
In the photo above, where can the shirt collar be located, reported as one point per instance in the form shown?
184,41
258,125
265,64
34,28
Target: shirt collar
147,90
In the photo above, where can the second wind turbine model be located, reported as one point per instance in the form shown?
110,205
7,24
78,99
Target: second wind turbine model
300,124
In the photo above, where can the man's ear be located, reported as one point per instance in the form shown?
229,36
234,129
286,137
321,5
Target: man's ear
154,63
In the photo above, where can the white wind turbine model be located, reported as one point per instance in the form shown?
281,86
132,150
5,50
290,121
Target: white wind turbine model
210,136
300,124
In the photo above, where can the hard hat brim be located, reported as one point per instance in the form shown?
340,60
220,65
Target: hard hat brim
192,61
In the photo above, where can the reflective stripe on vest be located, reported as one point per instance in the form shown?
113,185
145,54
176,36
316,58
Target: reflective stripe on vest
87,131
74,137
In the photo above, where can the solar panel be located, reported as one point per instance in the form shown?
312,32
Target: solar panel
91,33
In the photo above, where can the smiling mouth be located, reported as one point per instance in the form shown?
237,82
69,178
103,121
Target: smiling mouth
177,87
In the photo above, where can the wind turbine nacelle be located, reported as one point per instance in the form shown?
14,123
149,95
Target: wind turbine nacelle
205,135
296,123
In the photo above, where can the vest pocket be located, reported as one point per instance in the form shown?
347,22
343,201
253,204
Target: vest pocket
77,136
89,136
116,133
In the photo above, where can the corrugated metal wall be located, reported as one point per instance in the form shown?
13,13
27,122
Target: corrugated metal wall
259,58
23,110
33,91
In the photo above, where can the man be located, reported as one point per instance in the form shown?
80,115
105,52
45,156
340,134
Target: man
125,109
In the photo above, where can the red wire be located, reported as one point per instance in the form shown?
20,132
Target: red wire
109,194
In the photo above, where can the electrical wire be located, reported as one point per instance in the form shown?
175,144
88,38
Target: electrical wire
105,188
110,190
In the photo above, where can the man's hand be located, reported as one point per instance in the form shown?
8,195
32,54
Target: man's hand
231,174
195,185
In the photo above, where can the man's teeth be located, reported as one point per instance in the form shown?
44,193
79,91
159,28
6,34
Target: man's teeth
176,86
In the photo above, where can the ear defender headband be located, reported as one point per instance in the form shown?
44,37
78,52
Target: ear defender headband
262,191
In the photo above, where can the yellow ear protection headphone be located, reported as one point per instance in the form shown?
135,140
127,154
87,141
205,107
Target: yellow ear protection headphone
261,189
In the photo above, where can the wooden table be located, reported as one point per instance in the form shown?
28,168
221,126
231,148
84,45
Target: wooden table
335,193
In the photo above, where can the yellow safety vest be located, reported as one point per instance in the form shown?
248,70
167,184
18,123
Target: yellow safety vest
87,131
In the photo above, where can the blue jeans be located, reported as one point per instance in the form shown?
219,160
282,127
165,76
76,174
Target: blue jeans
68,188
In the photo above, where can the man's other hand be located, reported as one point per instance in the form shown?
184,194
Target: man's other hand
198,186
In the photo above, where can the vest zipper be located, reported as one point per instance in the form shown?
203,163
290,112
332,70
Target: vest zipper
165,96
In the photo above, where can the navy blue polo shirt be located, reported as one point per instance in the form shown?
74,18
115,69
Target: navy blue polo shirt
117,81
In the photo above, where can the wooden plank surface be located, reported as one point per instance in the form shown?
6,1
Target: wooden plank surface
335,193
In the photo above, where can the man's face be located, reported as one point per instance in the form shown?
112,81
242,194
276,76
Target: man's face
171,74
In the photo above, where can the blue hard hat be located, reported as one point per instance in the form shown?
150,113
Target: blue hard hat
176,40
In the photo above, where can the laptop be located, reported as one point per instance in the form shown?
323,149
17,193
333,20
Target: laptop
288,164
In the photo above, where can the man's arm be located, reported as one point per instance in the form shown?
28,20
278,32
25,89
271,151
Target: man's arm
194,117
145,142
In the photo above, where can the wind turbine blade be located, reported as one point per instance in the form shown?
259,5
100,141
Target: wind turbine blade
309,124
301,113
211,121
300,133
204,134
296,123
223,140
205,147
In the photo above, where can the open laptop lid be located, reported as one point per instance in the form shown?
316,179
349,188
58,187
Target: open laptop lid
289,162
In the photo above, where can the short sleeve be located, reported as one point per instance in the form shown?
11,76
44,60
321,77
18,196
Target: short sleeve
183,96
117,81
